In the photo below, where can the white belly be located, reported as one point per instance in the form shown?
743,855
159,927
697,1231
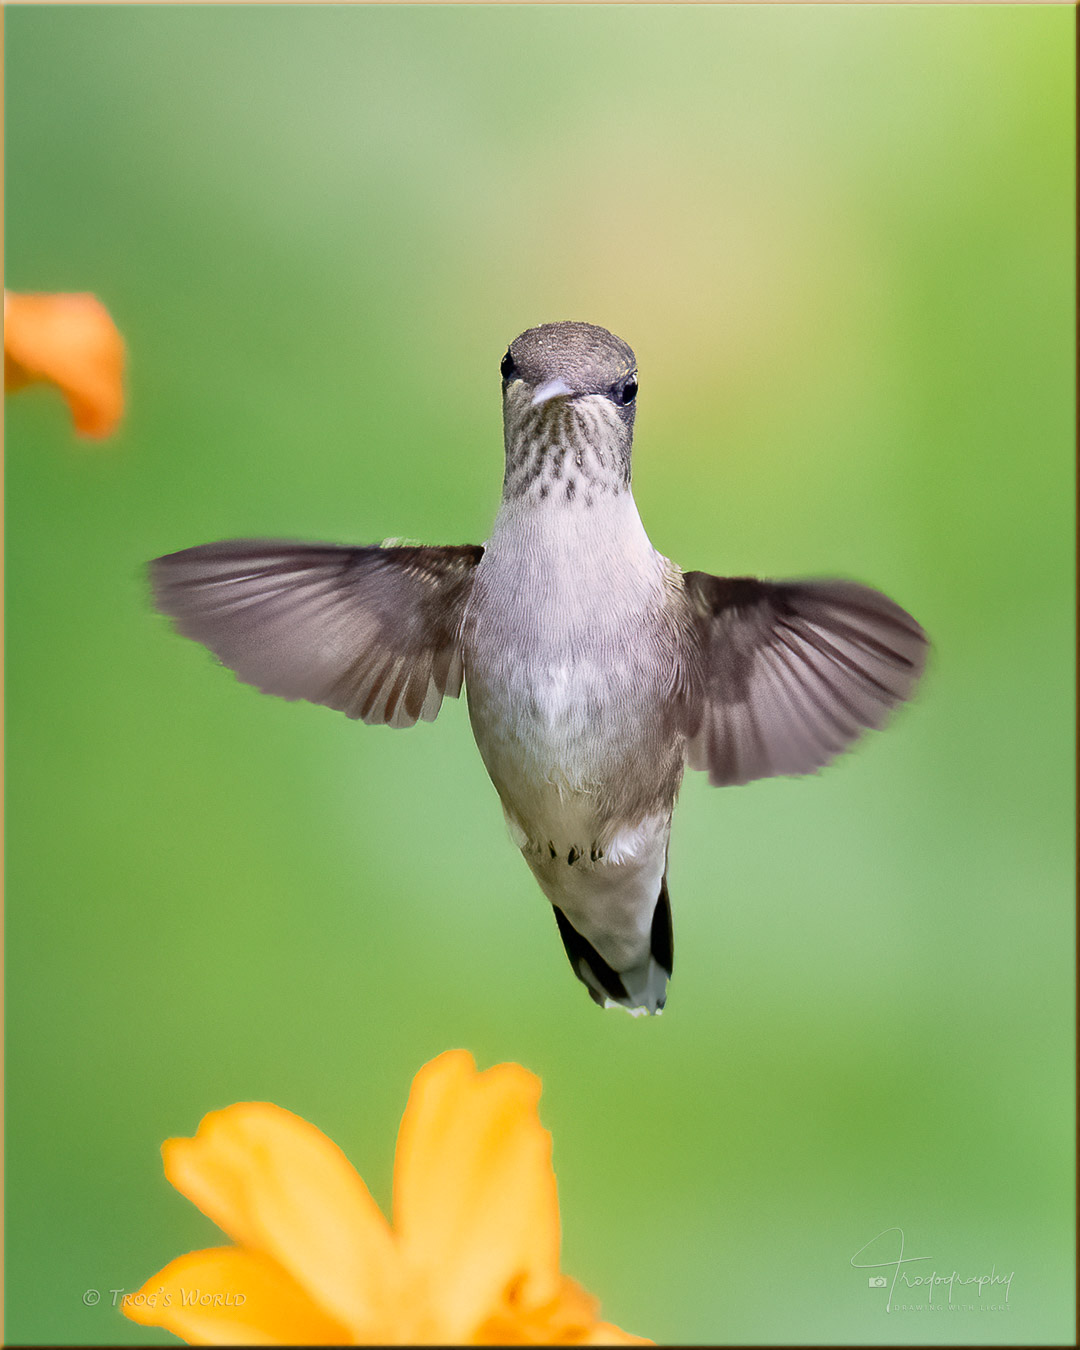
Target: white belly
554,749
554,733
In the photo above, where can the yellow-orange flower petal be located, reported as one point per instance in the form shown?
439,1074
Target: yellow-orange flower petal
475,1204
474,1260
227,1296
569,1319
606,1333
71,342
278,1186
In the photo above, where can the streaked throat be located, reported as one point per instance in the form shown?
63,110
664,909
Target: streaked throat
569,451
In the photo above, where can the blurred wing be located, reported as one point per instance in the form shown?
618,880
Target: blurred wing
792,672
373,632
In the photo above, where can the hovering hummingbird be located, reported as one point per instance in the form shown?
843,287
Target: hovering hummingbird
596,670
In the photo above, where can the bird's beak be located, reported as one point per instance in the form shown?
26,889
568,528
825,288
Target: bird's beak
548,390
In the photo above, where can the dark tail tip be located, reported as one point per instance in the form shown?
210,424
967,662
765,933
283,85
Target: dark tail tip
647,990
662,940
582,955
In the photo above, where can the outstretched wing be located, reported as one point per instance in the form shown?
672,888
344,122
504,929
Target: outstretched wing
373,632
790,673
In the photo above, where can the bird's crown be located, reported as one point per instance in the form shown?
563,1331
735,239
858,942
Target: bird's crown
588,358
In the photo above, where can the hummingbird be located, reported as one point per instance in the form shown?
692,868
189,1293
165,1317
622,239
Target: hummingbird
596,670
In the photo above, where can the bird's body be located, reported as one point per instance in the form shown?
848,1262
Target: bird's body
595,669
565,709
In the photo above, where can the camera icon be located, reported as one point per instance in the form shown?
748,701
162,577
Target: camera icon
877,1282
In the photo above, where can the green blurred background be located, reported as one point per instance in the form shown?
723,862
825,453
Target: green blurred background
840,240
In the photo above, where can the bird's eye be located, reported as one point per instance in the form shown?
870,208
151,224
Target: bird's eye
507,366
627,392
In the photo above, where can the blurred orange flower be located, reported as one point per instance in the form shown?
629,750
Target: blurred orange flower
472,1257
71,342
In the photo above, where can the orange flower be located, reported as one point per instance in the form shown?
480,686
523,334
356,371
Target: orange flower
472,1258
68,341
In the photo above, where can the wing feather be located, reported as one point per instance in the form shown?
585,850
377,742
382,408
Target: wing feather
789,674
372,632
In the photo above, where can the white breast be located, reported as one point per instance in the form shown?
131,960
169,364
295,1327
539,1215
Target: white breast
561,674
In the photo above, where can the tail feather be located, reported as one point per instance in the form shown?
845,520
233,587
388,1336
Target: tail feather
639,989
663,934
601,980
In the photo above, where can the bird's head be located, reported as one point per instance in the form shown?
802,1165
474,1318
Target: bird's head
569,395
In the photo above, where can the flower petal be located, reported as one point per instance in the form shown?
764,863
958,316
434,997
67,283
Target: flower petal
475,1205
229,1296
603,1333
69,341
569,1319
278,1186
